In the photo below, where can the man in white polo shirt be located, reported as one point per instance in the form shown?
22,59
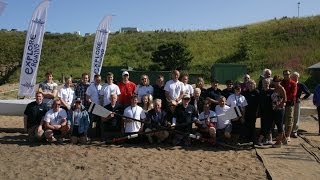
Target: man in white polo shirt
174,88
107,89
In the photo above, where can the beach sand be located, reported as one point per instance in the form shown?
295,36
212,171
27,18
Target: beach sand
22,160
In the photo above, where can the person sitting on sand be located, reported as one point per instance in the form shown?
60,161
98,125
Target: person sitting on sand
223,125
55,123
33,116
157,119
78,119
206,123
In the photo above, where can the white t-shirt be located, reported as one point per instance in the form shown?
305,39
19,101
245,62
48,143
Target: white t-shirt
221,110
187,89
212,116
55,118
136,113
66,94
234,101
107,90
142,90
173,88
94,92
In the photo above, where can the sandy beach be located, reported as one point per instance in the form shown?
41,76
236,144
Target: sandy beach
23,160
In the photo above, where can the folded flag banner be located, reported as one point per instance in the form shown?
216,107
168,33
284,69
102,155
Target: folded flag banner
32,50
99,47
98,110
2,6
231,113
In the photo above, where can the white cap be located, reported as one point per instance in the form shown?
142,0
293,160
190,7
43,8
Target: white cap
125,73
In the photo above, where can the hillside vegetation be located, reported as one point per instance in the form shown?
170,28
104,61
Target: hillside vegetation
287,43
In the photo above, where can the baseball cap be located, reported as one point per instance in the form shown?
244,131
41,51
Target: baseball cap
125,73
186,96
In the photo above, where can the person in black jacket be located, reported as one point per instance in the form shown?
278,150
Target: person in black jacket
156,119
33,116
112,125
185,114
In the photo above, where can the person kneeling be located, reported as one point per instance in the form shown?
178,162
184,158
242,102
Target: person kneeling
79,120
55,122
206,124
157,119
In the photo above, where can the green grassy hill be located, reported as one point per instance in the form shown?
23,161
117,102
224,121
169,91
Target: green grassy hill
287,43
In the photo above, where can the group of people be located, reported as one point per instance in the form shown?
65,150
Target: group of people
172,111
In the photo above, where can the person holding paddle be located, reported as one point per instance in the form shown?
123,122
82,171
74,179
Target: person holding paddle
133,112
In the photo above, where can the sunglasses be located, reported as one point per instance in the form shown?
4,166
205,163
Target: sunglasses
57,104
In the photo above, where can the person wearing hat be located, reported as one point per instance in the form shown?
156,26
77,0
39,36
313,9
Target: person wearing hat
33,116
185,114
237,99
78,119
127,89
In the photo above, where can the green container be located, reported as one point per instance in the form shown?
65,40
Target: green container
224,72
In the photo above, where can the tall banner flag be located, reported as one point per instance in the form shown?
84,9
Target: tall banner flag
100,45
2,6
32,50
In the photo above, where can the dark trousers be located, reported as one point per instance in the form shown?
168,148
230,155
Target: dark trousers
266,125
278,119
94,130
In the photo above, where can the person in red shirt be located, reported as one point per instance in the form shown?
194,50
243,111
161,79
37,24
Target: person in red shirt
127,89
291,91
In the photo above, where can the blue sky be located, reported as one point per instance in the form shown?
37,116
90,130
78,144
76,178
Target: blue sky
178,15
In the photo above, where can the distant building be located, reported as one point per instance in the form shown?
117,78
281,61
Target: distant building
129,29
77,33
87,34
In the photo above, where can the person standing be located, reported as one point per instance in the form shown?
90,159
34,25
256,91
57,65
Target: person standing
291,91
49,89
252,96
127,89
186,87
108,89
66,94
279,100
213,93
33,116
144,88
316,102
159,92
173,88
301,88
93,96
81,88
